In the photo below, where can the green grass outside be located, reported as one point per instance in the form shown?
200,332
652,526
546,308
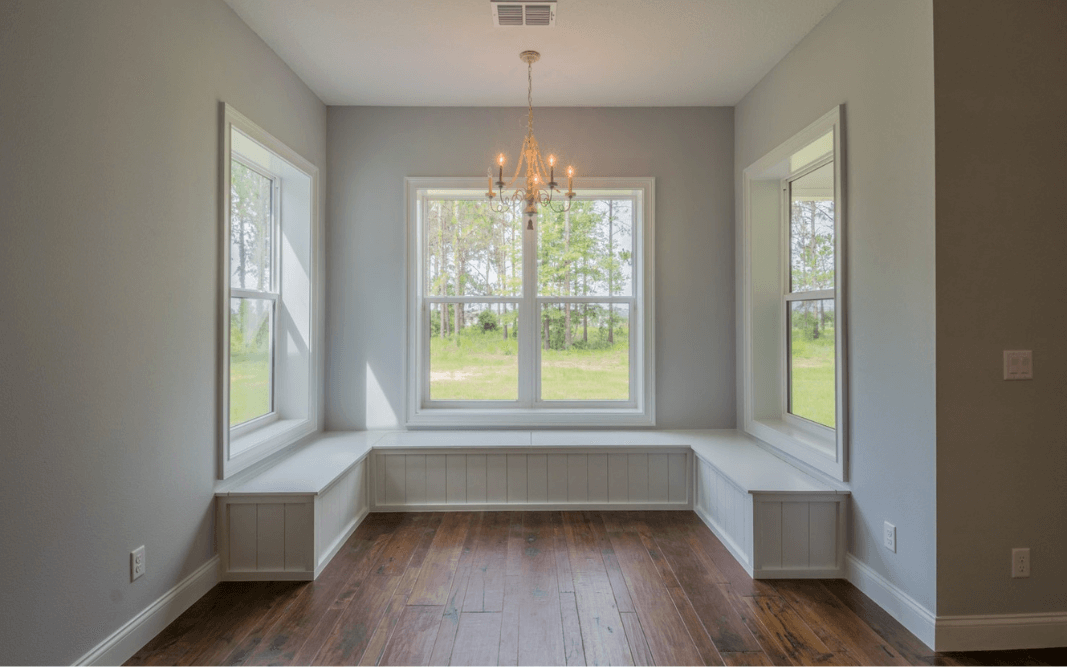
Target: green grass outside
249,387
483,366
813,380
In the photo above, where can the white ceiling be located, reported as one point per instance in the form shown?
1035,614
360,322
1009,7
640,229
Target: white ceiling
601,52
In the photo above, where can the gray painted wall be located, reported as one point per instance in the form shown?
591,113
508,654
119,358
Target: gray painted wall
1001,238
372,149
108,202
877,59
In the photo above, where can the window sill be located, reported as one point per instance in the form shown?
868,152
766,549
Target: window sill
812,450
250,448
526,419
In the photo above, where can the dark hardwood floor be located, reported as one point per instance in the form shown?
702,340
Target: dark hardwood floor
544,588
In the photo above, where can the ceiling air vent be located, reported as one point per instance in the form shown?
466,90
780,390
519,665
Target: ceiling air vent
518,13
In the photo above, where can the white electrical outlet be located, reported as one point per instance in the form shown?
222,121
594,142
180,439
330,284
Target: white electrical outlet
137,562
1020,563
889,537
1018,365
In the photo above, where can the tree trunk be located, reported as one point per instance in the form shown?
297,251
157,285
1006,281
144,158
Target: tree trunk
444,269
459,268
546,333
585,308
611,271
567,279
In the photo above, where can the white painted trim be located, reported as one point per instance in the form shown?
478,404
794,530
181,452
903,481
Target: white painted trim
272,440
529,411
919,620
534,507
794,443
1001,632
122,644
326,557
798,573
727,541
269,575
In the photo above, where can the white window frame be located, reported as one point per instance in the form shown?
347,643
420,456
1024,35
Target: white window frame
529,410
764,406
290,420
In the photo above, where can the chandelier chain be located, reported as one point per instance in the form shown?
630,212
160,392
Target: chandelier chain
529,96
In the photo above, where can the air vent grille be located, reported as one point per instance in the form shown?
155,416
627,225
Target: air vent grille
516,13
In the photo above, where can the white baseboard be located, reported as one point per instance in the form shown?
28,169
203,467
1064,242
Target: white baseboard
138,631
532,507
1001,632
919,620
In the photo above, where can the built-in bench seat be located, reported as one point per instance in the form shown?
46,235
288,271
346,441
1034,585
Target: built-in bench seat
778,521
287,521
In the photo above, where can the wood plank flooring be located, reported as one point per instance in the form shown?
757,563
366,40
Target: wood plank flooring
551,588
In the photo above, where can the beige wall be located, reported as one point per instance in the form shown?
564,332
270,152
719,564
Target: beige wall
109,158
1001,73
688,150
876,58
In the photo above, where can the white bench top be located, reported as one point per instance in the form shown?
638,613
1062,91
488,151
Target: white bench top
315,465
312,467
738,456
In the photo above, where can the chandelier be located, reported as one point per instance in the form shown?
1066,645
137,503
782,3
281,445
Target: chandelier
538,183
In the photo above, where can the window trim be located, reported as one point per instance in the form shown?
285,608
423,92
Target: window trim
639,410
815,447
248,443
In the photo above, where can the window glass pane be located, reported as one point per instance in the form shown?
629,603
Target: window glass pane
587,251
812,377
251,228
585,352
251,358
474,351
811,230
471,250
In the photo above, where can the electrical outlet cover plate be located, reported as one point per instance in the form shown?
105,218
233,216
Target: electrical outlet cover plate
137,563
890,537
1018,365
1020,563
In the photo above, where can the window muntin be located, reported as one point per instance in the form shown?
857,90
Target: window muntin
811,267
586,264
253,291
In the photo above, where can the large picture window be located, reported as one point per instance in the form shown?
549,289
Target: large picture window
521,327
267,346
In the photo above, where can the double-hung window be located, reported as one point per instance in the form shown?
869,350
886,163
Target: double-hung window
792,350
267,345
510,326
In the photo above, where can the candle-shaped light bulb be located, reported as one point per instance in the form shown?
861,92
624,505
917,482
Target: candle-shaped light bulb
500,159
552,170
570,179
500,179
552,160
